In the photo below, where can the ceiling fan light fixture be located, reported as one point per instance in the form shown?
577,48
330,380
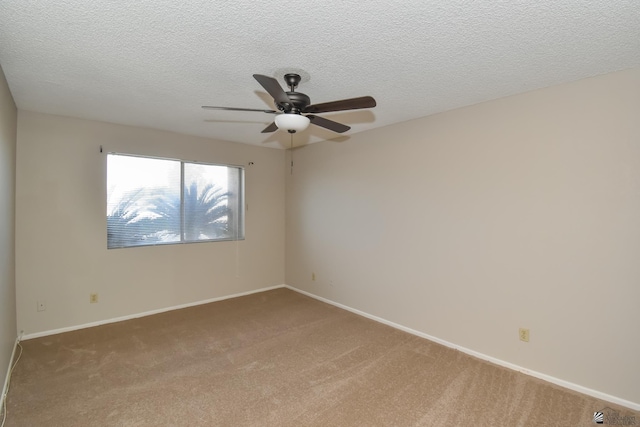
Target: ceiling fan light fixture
292,122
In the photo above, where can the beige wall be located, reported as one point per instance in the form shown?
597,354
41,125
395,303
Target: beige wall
522,212
8,119
61,247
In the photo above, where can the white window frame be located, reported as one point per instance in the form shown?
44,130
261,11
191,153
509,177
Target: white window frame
237,208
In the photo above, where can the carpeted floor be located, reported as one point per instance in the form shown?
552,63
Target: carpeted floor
276,358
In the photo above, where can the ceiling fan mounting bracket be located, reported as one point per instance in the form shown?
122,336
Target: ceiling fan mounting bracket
292,80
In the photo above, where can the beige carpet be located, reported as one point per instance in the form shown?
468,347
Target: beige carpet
276,358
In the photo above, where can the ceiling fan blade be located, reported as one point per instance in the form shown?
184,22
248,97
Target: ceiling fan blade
209,107
272,86
271,128
344,104
328,124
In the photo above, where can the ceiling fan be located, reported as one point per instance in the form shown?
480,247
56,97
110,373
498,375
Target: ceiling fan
292,105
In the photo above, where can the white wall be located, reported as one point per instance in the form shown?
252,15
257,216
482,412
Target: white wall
522,212
61,247
8,123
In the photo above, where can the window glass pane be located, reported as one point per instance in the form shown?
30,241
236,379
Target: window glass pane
143,201
206,202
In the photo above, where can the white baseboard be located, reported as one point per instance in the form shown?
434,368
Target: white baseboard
143,314
5,387
548,378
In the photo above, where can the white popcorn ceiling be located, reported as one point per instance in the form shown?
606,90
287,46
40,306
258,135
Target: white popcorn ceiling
154,63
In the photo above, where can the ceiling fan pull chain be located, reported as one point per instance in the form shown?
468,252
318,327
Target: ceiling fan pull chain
291,153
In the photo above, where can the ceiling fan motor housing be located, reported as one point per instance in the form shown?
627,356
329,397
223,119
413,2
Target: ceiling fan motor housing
299,100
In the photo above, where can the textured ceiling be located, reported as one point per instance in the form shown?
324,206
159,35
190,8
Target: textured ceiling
153,63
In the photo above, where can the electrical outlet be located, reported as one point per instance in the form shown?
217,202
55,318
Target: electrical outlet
93,298
313,277
42,306
524,334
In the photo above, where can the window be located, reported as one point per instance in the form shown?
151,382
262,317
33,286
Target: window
154,201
